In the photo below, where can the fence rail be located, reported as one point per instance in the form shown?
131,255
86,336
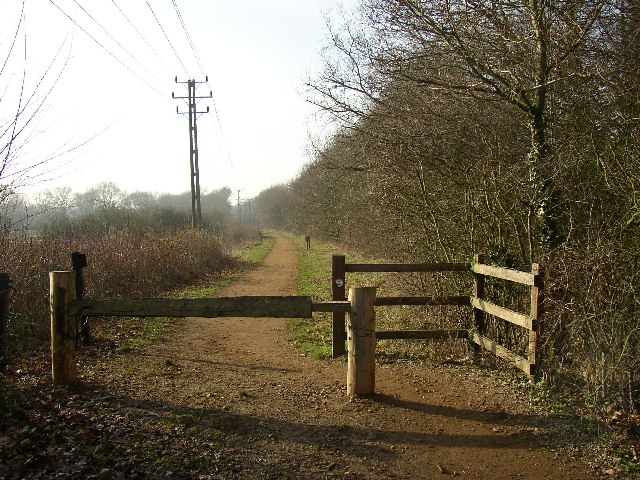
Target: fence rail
275,307
531,322
406,267
339,270
362,336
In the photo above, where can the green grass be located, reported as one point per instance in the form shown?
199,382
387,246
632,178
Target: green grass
153,328
313,336
247,258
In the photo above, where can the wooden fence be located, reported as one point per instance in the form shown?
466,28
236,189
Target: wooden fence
359,331
476,335
65,308
531,322
338,283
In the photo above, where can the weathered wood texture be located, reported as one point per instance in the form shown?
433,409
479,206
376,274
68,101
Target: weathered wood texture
433,301
332,306
478,314
79,262
421,334
407,267
537,292
531,322
274,307
500,351
361,339
501,312
6,284
338,286
63,327
338,293
503,273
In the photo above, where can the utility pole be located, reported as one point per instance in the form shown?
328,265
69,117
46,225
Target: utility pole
239,211
196,210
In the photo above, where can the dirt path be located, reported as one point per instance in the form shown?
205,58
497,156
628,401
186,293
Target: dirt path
278,414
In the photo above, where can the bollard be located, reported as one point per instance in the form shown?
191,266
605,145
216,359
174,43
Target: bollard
361,341
63,327
6,284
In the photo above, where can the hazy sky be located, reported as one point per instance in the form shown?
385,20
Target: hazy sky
115,91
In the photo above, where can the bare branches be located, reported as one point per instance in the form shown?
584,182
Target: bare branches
17,122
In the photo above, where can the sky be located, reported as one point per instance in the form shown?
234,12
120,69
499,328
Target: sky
108,113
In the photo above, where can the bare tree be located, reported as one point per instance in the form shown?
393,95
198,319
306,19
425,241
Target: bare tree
20,106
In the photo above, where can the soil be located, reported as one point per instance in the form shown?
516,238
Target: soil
232,398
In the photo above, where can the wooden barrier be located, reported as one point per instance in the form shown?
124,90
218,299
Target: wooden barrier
530,322
63,327
79,262
274,307
338,292
480,305
65,308
6,284
338,286
361,338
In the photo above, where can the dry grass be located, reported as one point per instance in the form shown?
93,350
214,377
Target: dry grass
122,263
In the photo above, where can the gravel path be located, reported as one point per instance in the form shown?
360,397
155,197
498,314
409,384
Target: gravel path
271,412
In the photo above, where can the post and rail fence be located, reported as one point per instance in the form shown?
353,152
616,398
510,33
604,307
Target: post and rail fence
338,282
480,305
531,322
358,330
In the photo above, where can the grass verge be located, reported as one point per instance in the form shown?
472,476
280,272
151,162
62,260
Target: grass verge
147,331
313,336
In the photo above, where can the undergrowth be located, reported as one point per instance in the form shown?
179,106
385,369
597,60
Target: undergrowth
313,336
144,331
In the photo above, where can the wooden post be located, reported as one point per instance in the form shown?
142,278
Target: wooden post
79,261
338,288
6,284
537,292
478,315
361,338
63,327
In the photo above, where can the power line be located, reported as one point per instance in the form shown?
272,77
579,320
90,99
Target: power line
165,36
142,37
15,38
117,42
225,147
186,32
106,50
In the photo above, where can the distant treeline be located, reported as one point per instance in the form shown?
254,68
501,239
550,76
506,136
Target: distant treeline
509,129
105,207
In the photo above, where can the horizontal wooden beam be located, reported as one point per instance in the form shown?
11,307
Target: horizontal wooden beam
504,273
407,267
450,300
331,306
421,334
501,312
271,307
502,352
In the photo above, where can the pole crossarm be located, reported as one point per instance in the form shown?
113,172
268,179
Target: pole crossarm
196,210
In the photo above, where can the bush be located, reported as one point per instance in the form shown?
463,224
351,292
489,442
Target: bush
120,264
